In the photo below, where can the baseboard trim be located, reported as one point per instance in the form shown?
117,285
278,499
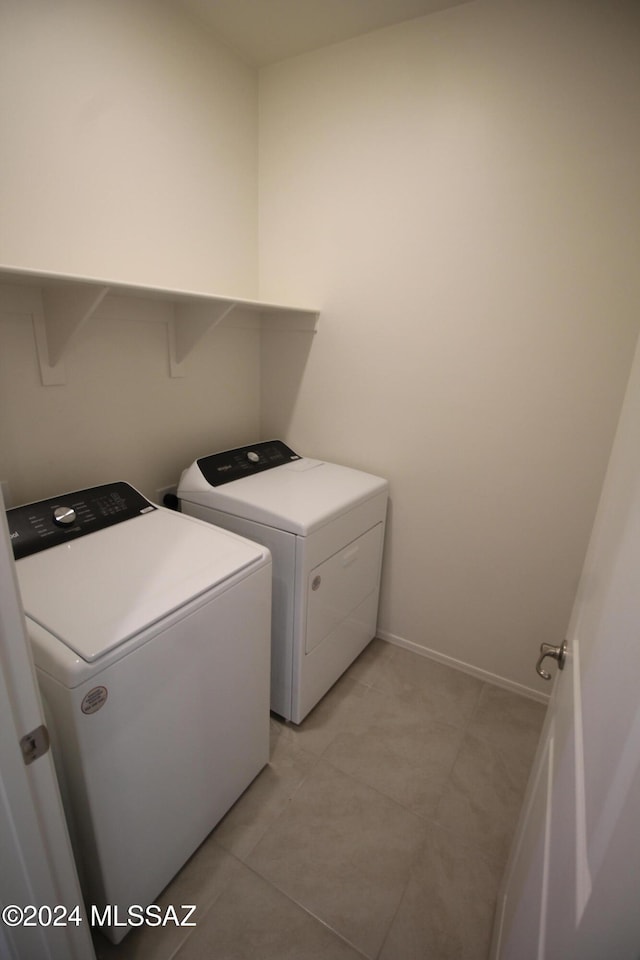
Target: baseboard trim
485,675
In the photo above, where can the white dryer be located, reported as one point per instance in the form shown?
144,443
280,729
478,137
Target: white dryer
324,526
151,639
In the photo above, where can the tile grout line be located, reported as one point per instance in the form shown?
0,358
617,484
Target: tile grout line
307,910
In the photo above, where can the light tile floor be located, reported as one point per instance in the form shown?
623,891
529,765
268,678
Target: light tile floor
380,828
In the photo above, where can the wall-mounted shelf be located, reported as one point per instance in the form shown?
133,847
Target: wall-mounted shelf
61,305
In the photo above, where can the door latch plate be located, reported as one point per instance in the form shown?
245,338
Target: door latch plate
34,744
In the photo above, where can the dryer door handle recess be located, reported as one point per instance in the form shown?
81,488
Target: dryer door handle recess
349,556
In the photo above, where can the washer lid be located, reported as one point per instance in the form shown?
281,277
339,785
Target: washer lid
98,591
298,497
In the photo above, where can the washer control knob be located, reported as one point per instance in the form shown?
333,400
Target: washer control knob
64,516
253,456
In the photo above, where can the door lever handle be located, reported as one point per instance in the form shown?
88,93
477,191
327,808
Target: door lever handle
548,650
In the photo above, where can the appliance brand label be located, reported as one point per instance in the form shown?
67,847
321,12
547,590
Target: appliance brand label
94,700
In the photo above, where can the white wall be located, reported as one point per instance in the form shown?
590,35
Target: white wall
130,154
460,196
129,146
458,193
120,416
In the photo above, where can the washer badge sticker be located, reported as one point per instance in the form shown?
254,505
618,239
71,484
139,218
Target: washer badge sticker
94,700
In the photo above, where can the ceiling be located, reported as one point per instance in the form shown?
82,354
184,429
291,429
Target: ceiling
265,31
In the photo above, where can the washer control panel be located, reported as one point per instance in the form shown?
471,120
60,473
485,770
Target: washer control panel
231,465
47,523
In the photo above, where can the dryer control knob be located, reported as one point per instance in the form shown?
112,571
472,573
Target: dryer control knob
64,516
253,456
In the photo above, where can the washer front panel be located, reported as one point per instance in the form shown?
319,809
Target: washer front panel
179,729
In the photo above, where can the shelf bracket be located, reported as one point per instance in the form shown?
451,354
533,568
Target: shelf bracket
188,326
65,308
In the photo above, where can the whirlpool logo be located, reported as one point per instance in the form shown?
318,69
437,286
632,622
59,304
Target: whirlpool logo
14,534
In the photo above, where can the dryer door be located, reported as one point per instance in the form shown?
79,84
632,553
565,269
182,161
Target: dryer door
339,586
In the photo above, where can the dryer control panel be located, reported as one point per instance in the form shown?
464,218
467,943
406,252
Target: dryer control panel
47,523
231,465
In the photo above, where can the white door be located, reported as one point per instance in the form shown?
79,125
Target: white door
572,886
36,863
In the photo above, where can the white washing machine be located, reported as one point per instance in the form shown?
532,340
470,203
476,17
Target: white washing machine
151,639
324,525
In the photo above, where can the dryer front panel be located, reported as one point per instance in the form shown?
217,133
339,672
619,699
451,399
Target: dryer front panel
337,588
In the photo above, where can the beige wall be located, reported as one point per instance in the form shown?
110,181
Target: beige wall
120,416
129,153
458,193
460,196
132,147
